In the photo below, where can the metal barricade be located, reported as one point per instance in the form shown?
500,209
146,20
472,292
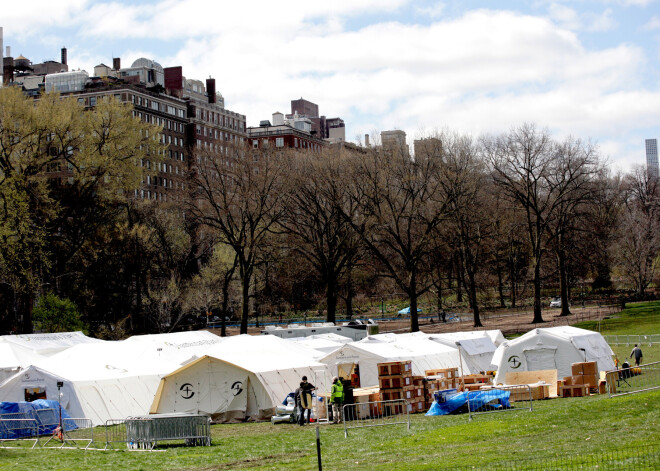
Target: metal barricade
493,399
115,432
145,432
47,419
376,414
633,380
75,432
14,428
648,340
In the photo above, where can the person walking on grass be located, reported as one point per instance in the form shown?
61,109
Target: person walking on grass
307,400
337,399
637,353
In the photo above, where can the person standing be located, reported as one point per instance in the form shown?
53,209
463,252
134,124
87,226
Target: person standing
337,399
299,398
307,400
637,353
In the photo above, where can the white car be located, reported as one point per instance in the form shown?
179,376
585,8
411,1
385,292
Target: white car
556,302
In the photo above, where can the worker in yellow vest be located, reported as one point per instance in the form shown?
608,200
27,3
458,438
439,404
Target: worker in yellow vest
337,399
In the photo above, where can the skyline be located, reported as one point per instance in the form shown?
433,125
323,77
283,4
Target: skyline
588,68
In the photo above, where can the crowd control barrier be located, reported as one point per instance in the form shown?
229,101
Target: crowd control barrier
375,414
634,379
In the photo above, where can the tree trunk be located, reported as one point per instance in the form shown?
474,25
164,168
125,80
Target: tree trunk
331,300
500,286
245,300
538,318
472,294
414,319
563,280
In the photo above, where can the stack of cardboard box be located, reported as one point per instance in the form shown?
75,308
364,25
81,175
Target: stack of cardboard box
474,382
396,381
438,380
583,380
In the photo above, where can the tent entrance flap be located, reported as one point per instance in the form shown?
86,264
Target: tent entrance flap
541,358
35,392
349,371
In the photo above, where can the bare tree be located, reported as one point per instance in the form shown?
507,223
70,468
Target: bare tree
314,218
541,178
465,182
637,248
575,174
239,194
398,204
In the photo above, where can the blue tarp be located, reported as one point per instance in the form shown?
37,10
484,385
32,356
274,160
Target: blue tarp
451,401
407,310
27,409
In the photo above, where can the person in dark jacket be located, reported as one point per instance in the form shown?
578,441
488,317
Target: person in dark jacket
307,398
637,353
299,396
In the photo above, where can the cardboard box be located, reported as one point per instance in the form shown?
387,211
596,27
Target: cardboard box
445,373
584,368
568,380
394,368
394,382
590,380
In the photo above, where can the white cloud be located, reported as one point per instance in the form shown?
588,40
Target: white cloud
565,16
484,71
653,23
603,22
433,11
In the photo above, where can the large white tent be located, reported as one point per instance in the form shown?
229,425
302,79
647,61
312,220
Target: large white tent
553,348
242,378
20,351
109,380
424,353
323,344
477,347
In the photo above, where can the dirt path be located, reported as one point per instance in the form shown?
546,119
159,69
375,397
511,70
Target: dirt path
507,322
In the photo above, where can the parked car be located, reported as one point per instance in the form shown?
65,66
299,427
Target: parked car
555,302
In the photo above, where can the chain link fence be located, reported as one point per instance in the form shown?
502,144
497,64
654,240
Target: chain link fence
643,458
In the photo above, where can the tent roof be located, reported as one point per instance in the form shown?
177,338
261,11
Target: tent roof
404,346
263,353
47,344
139,355
473,342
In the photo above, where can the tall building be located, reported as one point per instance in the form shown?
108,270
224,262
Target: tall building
290,133
394,141
652,158
192,115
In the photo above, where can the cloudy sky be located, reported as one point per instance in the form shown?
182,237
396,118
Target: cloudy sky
590,68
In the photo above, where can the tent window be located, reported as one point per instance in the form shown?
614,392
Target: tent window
541,359
32,394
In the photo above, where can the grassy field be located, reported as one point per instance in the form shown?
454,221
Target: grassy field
555,430
636,319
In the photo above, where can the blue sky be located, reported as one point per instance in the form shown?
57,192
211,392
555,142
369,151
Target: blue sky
588,68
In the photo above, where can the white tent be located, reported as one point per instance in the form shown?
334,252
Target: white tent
424,353
14,358
109,380
20,351
323,344
477,348
48,344
244,377
554,348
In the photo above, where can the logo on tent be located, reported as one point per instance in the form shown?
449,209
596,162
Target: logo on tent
514,362
237,387
187,390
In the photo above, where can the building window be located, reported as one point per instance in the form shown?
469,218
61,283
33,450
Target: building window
255,144
295,142
92,101
279,142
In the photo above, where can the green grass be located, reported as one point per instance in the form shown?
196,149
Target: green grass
557,428
636,319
